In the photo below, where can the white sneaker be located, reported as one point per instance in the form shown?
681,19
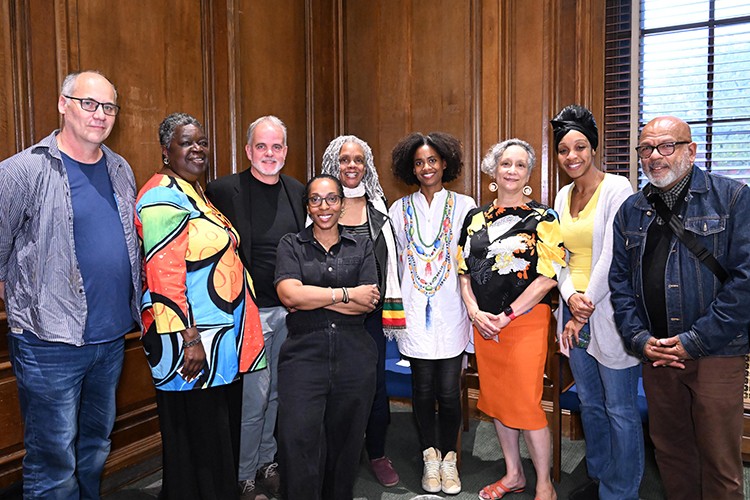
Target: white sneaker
431,473
449,474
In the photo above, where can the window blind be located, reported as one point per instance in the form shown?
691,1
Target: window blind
693,62
617,93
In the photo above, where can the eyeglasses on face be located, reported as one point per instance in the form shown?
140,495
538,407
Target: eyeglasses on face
664,149
91,105
332,200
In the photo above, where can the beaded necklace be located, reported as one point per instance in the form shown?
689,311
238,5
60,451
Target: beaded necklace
435,254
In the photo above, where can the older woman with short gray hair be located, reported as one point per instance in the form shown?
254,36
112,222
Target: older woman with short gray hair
510,254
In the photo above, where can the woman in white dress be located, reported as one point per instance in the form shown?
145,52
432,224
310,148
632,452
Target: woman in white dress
427,224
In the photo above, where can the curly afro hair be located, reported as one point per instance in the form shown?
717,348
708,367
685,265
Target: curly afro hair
448,147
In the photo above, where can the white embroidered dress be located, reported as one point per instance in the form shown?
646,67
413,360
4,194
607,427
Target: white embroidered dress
437,323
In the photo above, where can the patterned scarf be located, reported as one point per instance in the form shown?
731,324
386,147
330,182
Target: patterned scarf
394,318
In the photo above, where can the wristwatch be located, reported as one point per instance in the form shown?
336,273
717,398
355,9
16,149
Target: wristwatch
509,313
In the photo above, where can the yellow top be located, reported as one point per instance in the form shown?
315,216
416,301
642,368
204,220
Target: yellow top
578,235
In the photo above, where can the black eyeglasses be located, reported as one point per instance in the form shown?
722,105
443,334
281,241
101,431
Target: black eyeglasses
91,105
331,200
664,149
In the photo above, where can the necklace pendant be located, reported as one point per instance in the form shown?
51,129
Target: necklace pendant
428,269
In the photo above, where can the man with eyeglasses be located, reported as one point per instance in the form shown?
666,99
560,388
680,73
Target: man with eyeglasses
689,326
70,279
263,205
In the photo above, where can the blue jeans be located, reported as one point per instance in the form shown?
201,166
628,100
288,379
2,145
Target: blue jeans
67,397
260,398
611,423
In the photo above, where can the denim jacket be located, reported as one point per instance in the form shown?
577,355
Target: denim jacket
710,318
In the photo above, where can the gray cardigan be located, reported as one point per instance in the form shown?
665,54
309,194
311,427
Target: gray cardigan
606,345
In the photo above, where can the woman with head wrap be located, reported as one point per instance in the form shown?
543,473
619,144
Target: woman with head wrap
350,159
606,375
510,256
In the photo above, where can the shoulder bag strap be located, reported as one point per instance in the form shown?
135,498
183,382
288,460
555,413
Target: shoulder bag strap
686,237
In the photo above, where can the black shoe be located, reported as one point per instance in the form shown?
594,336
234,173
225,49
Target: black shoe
268,478
588,491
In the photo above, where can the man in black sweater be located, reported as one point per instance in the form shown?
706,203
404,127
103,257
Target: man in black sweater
263,205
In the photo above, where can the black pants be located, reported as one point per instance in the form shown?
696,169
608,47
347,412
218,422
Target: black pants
437,380
200,432
326,389
380,415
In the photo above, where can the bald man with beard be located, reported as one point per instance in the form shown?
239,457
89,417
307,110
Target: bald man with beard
689,326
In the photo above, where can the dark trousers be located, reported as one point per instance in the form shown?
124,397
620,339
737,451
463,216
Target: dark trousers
326,389
695,422
200,432
437,380
380,415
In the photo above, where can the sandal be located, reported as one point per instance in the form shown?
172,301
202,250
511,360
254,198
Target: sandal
497,490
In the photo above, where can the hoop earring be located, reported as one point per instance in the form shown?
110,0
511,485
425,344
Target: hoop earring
527,190
165,160
492,186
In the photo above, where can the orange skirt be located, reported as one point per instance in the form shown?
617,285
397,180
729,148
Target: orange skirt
511,371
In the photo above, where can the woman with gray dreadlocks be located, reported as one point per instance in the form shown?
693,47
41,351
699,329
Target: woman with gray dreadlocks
350,159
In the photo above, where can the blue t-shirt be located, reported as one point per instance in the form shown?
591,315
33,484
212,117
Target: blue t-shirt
101,251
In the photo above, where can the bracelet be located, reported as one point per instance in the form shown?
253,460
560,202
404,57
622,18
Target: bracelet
333,295
475,316
191,343
346,295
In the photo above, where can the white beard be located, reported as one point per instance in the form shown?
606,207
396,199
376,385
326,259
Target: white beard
676,172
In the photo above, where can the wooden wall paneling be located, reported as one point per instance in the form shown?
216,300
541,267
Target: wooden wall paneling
218,111
12,118
11,428
473,156
409,67
324,77
529,41
376,69
494,93
271,67
136,433
43,60
565,75
156,65
442,79
578,69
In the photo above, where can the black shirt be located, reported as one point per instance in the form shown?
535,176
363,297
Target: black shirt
349,263
271,218
658,243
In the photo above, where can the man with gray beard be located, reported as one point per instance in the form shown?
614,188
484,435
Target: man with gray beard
263,205
682,315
